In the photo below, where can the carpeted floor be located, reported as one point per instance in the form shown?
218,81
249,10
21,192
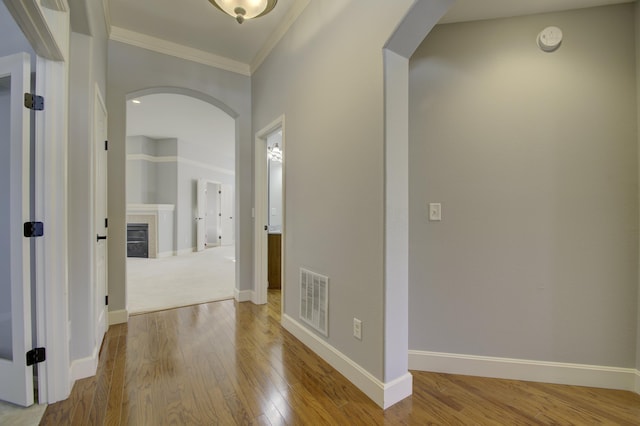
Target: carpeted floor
170,282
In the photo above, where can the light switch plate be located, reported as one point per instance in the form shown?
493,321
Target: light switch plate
435,211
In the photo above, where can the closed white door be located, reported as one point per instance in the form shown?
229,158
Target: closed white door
16,378
100,219
213,214
227,198
201,226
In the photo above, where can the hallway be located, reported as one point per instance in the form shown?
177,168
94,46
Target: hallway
232,363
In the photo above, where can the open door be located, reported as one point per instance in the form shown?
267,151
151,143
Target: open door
201,225
16,378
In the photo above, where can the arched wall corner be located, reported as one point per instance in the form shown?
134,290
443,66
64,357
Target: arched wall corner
418,22
119,287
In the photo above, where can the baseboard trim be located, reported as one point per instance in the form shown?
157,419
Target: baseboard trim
637,382
528,370
244,295
182,252
118,317
165,254
383,394
84,367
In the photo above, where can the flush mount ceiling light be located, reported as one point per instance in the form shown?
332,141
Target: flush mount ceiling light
244,9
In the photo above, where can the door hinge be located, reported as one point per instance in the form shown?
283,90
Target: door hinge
106,222
33,102
33,229
106,145
106,300
35,356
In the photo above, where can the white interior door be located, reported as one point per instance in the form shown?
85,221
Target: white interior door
100,216
226,210
16,379
214,215
201,225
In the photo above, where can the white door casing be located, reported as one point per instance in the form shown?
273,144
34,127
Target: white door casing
100,216
201,225
16,378
261,213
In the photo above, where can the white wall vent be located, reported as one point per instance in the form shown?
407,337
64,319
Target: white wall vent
314,300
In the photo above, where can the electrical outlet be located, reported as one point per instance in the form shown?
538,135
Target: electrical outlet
357,328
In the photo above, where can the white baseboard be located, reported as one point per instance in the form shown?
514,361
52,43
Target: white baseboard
637,382
84,367
383,394
184,251
165,254
244,295
528,370
118,317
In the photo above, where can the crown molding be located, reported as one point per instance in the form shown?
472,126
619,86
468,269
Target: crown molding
271,42
178,50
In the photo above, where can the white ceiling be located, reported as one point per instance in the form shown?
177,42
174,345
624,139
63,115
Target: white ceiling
474,10
198,24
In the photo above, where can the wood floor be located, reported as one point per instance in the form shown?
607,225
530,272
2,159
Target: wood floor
228,363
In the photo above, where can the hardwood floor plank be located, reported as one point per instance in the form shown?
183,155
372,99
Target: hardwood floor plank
229,363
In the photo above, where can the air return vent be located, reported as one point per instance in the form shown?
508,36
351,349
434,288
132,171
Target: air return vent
314,300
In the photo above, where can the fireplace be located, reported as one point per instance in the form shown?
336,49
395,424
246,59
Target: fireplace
138,240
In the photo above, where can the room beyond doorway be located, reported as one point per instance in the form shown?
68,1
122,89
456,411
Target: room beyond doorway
171,282
175,141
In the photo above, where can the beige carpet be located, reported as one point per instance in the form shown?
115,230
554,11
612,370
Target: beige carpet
171,282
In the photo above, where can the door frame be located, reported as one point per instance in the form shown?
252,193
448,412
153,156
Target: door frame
261,206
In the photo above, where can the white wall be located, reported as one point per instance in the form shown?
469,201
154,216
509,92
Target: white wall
533,156
326,77
132,70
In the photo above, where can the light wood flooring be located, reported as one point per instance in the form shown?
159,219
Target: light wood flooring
228,363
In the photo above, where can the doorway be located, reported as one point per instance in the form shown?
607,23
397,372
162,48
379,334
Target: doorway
180,184
269,169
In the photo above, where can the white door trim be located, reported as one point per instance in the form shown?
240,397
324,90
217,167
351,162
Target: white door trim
260,209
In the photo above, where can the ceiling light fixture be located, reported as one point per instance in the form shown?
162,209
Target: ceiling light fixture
244,9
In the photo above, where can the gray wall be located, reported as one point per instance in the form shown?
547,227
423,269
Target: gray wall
326,76
87,70
131,70
533,156
171,182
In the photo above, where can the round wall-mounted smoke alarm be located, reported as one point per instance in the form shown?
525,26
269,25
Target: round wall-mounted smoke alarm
550,38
